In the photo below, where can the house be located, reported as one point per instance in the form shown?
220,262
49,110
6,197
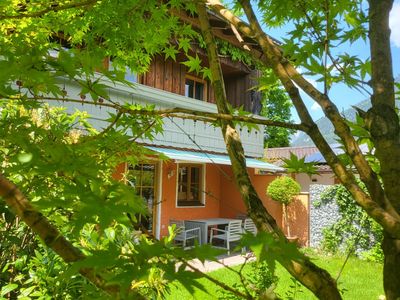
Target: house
196,181
324,174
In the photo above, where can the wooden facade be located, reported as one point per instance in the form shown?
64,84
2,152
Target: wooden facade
170,75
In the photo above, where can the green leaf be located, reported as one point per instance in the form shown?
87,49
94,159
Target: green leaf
206,252
184,44
296,165
26,292
194,64
25,157
8,288
170,52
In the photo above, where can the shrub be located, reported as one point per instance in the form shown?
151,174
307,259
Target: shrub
283,189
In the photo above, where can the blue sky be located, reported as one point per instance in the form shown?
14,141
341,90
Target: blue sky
341,94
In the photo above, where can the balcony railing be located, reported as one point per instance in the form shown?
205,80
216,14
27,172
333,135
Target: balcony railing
178,132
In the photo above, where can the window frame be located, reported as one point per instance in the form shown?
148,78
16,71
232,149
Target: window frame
197,80
202,185
140,186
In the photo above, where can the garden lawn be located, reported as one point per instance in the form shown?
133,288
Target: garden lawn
359,280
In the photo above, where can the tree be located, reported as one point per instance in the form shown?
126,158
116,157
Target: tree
319,27
276,107
314,278
93,29
61,162
56,169
284,189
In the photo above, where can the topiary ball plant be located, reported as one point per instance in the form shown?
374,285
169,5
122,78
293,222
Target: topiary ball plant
284,189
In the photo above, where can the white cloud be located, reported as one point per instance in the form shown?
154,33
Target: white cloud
315,106
394,23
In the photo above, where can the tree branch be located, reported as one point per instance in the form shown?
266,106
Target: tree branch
381,210
317,280
273,55
216,281
39,224
180,113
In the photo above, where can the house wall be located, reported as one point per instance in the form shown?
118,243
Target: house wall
223,198
177,132
119,172
231,202
298,216
169,75
298,212
305,181
166,75
169,208
238,89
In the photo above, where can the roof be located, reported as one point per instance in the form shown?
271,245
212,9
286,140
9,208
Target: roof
311,154
204,157
223,30
276,155
317,157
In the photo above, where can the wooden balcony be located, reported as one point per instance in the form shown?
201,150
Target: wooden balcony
178,133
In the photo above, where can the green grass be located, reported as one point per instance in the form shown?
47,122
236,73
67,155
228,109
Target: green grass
359,280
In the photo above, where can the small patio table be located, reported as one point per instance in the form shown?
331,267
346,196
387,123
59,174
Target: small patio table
204,224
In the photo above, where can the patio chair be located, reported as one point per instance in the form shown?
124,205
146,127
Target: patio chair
232,233
182,234
249,226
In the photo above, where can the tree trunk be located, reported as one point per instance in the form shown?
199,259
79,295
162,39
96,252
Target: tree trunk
383,123
311,276
391,267
285,218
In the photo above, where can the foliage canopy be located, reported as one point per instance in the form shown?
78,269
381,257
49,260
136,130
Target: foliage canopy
283,189
67,175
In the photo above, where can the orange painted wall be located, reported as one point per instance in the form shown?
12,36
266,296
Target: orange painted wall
119,171
298,216
232,204
231,201
260,183
168,205
223,199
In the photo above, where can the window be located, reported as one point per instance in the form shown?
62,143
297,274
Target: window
142,178
195,88
190,185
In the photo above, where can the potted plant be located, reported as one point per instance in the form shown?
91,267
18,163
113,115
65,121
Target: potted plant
284,189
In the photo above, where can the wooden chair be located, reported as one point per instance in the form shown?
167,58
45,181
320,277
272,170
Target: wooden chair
249,226
182,234
232,233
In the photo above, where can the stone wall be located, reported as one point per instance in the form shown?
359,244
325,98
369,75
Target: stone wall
322,214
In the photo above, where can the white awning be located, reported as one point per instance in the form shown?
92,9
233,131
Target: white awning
202,157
